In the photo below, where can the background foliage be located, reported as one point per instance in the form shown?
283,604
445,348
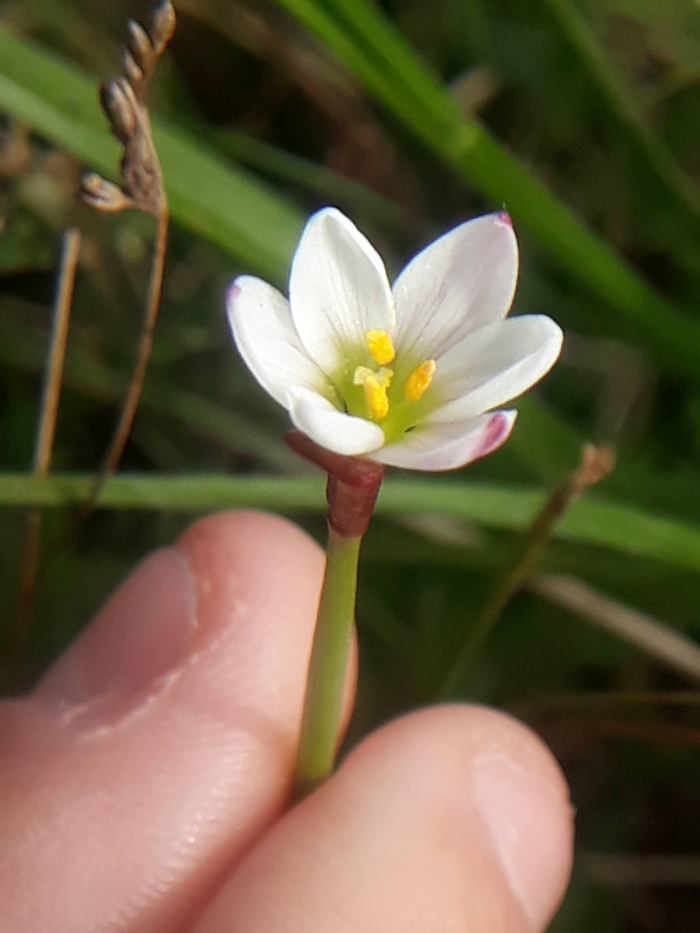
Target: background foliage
583,119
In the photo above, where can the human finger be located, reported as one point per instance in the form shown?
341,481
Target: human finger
453,818
161,744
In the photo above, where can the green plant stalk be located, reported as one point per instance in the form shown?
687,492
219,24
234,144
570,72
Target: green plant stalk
323,704
596,520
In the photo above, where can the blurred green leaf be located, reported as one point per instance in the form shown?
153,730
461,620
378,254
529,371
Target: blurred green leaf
623,105
87,373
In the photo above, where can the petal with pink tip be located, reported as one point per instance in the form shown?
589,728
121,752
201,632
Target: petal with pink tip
449,446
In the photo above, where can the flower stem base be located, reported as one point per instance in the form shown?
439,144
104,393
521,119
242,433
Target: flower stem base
352,489
323,704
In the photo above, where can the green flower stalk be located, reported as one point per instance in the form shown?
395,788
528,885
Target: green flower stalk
351,491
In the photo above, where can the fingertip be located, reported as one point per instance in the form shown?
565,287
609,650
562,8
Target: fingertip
254,528
455,817
500,767
523,799
230,549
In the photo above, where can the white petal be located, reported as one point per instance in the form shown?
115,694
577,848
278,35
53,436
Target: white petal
448,446
495,364
338,289
332,429
264,334
462,281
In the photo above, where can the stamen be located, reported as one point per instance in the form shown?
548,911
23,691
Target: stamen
375,386
420,379
380,346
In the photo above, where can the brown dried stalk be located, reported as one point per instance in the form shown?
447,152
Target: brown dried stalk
596,463
141,188
24,612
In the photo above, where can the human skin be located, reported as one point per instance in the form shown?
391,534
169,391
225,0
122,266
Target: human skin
143,782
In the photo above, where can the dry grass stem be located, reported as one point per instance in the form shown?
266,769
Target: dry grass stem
638,870
596,463
29,561
654,638
547,703
141,188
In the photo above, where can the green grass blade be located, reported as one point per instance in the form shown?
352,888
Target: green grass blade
622,104
591,521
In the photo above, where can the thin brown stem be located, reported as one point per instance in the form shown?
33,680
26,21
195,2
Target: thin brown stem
141,188
596,464
656,639
29,561
133,395
555,702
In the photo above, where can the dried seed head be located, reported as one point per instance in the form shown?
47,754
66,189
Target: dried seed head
139,42
122,101
163,26
120,106
102,194
131,70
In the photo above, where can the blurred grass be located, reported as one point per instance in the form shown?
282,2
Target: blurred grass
583,118
607,524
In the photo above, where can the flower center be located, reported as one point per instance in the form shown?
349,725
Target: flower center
393,397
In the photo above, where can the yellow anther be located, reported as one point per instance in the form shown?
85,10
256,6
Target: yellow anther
420,379
380,346
375,386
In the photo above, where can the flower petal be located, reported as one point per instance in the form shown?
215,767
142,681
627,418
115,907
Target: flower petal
264,334
495,364
448,446
332,429
338,289
462,281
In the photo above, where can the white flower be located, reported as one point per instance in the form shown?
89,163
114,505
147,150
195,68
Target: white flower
407,377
